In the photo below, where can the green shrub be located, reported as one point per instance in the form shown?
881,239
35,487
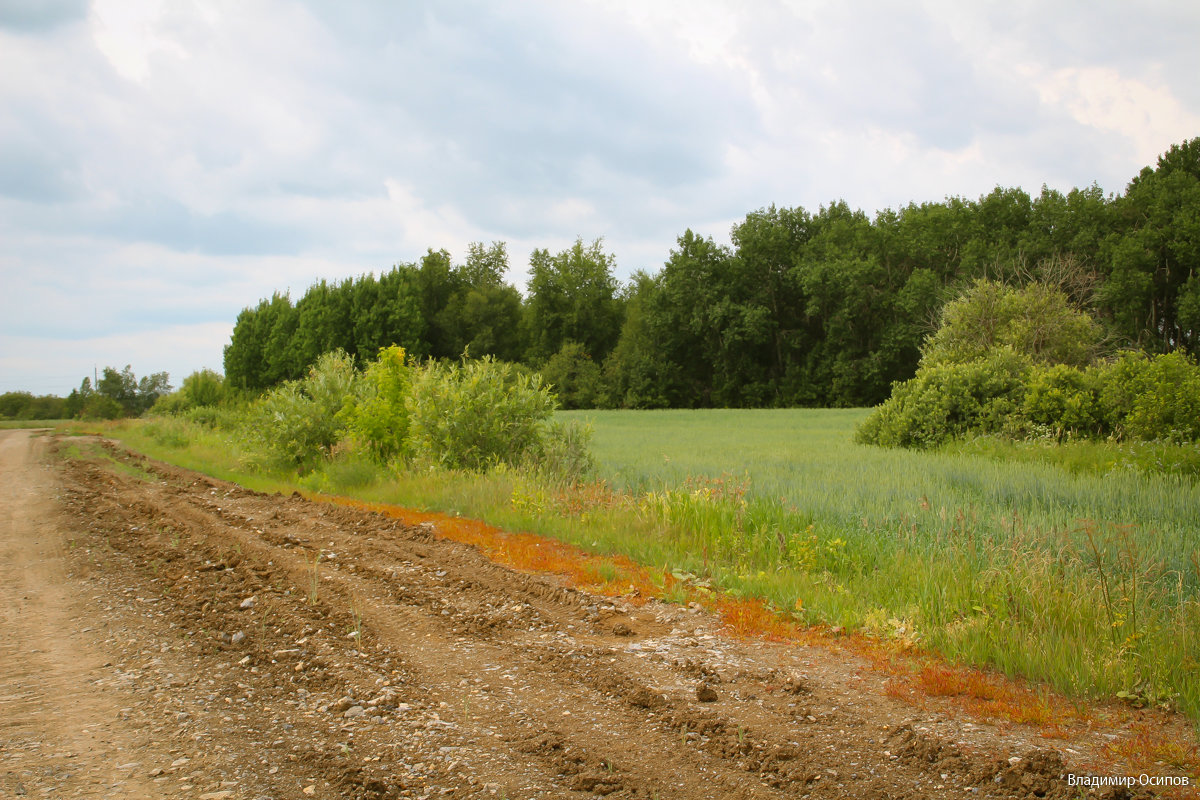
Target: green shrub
222,417
168,432
1151,398
1036,320
474,414
948,400
98,406
564,454
169,404
378,417
1168,405
1064,399
299,421
1120,383
203,388
469,415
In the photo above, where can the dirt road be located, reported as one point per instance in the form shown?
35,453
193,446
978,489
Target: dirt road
167,635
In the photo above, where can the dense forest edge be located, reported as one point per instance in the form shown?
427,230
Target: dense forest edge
825,309
805,309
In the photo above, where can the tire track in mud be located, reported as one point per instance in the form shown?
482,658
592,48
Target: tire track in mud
448,605
382,661
56,732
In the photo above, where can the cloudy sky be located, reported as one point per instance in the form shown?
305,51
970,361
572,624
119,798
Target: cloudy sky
165,163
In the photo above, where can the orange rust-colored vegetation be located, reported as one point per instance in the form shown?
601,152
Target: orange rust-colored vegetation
610,576
992,696
750,619
1149,747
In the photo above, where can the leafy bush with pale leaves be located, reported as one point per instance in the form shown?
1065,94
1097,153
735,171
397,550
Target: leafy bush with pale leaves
470,415
1133,396
1035,320
475,414
298,422
1064,399
1166,404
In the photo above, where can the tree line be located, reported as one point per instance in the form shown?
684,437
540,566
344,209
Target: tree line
824,308
116,393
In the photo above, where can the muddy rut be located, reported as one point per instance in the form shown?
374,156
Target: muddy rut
223,643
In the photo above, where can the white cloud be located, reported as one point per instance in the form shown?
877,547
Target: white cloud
126,32
1151,118
55,366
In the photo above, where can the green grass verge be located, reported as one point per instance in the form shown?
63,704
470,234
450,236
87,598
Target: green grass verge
10,424
1087,457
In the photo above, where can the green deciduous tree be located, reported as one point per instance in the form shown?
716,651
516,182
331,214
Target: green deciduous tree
24,405
573,377
572,296
123,388
1035,320
1158,252
639,372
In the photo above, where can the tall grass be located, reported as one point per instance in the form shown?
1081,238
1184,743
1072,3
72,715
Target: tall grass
806,460
1090,581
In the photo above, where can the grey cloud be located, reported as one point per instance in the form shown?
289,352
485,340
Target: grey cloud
32,173
165,221
1108,31
1153,41
162,221
85,287
904,72
40,16
505,105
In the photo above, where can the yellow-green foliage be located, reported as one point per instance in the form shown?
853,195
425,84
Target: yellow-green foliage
1132,396
1023,361
1035,320
1166,404
945,400
1064,399
377,417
